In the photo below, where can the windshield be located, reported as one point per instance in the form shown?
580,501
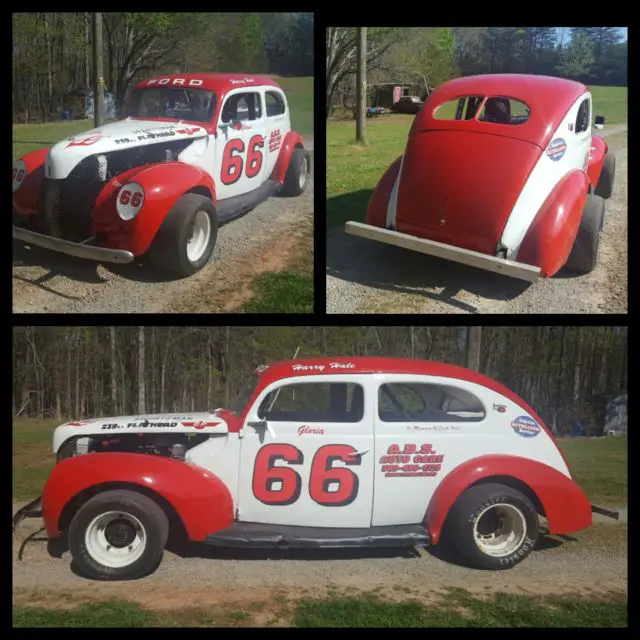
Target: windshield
171,102
244,395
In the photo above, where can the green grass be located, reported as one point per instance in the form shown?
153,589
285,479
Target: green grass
354,170
29,137
600,467
456,608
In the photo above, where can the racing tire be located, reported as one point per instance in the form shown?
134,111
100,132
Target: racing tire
118,535
604,188
185,241
493,526
584,253
297,177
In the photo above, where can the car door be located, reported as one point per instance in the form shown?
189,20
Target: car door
306,455
277,124
424,427
240,144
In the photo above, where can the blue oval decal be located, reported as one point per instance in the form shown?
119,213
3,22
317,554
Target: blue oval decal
526,427
556,148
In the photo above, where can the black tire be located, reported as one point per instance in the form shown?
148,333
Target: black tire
298,173
478,505
584,254
604,189
169,249
128,503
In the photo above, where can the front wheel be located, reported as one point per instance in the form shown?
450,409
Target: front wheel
493,526
186,239
298,173
118,535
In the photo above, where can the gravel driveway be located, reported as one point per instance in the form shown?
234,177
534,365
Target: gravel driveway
44,281
370,277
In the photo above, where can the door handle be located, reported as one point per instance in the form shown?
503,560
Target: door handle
359,453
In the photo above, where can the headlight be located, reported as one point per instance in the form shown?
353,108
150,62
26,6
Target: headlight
19,172
130,200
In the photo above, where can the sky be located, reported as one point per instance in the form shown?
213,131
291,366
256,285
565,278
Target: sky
567,31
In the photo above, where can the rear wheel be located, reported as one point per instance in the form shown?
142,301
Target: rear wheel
584,254
118,535
493,526
298,172
186,239
604,189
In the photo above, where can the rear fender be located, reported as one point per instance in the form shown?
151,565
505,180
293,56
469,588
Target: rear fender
291,141
201,499
565,505
379,201
552,233
598,151
163,186
25,197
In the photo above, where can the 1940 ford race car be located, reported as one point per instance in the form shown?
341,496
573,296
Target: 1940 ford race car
194,151
500,172
314,453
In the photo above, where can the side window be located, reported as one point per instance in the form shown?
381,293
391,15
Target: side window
501,110
418,402
582,121
242,107
275,104
314,402
459,109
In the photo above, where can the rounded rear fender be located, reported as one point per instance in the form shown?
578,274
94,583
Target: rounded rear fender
598,151
379,201
201,499
565,505
25,198
163,185
552,233
291,141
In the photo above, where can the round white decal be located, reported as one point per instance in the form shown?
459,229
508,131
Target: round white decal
19,173
130,200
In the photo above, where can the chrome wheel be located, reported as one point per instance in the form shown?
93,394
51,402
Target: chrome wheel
500,529
199,237
302,178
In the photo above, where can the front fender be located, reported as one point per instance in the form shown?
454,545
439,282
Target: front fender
550,237
566,506
25,197
201,499
291,141
163,185
379,201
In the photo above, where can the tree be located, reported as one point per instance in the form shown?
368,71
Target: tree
361,81
141,371
578,58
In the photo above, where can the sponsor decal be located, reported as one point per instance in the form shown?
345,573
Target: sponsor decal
188,131
275,140
19,173
139,425
412,460
305,430
177,82
322,367
200,425
433,427
78,423
526,427
556,149
85,142
500,408
242,81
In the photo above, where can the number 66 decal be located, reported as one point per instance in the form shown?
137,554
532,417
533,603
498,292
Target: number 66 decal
232,162
282,485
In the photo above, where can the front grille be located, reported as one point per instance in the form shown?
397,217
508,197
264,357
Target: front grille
66,204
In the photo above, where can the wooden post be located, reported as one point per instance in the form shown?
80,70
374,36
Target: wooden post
98,89
361,89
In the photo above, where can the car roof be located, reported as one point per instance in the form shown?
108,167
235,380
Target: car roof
216,82
549,99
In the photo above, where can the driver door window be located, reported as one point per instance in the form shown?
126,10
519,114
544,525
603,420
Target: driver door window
242,107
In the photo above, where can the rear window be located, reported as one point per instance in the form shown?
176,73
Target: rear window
496,109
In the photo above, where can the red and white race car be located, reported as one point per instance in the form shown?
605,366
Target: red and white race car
322,452
194,151
500,172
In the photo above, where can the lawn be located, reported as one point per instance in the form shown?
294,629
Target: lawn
29,137
456,608
353,170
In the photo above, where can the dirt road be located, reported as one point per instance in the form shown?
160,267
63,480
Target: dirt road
591,562
370,277
263,240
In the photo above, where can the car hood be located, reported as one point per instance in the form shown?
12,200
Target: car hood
124,134
152,423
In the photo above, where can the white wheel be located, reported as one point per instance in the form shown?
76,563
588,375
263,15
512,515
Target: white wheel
115,539
302,177
500,530
199,238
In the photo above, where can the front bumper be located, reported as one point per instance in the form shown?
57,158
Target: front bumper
31,510
446,251
77,249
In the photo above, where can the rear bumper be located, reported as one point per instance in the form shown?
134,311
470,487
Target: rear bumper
76,249
31,510
446,251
